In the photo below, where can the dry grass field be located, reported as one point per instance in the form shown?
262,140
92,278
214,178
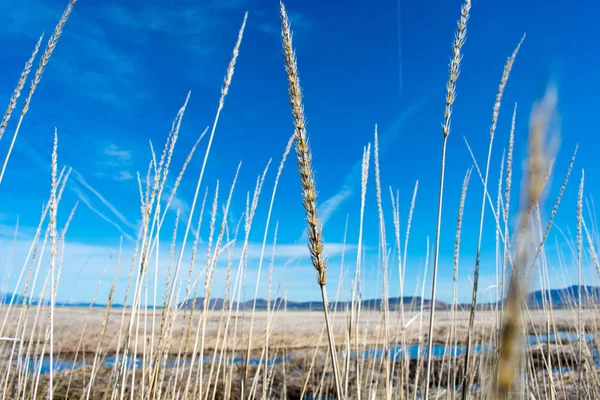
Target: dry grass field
297,347
292,330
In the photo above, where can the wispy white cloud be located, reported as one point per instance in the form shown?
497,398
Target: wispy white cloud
85,199
118,154
79,180
177,202
330,206
82,189
114,162
123,176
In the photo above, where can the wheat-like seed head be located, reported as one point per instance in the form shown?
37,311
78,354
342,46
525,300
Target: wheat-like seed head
213,221
54,191
260,181
111,295
459,41
378,190
63,178
182,172
171,259
231,67
307,176
509,164
499,207
169,148
197,234
17,92
211,266
580,213
51,45
365,172
61,246
288,147
147,193
461,209
505,74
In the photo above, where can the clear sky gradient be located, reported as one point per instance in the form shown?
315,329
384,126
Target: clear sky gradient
123,68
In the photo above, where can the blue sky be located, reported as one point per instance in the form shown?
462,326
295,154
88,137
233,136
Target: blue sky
123,68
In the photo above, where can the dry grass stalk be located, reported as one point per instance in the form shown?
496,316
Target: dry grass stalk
506,209
188,315
104,327
459,41
384,264
53,251
269,311
554,209
534,178
396,220
355,307
580,327
262,251
307,179
210,267
405,377
499,250
486,192
505,75
459,222
224,91
83,329
33,248
150,200
180,176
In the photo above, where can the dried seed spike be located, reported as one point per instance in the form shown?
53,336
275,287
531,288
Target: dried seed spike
307,180
17,92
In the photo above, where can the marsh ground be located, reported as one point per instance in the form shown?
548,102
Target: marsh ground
290,329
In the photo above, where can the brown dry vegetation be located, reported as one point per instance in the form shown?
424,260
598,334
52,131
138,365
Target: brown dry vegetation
293,330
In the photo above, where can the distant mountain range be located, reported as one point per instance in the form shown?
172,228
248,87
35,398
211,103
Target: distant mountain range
261,304
5,298
560,298
567,297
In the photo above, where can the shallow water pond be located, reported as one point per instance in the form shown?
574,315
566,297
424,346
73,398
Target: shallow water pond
61,365
396,352
438,350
